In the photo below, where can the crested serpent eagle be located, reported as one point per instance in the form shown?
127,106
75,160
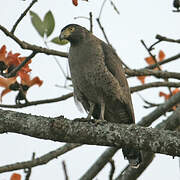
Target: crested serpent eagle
99,81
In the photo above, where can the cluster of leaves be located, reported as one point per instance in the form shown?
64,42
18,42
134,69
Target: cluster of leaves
9,61
150,60
46,26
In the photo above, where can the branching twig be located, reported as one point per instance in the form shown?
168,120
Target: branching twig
163,38
22,15
165,61
99,164
32,103
149,51
38,49
147,72
149,103
152,46
153,85
57,62
102,6
102,29
29,170
40,160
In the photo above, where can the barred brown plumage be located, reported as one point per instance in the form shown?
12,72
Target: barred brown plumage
99,81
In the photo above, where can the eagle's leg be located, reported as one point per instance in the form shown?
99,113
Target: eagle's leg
101,118
91,109
102,110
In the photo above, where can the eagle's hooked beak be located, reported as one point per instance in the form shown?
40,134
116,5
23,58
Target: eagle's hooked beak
64,34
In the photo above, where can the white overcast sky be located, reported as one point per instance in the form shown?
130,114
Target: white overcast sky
138,19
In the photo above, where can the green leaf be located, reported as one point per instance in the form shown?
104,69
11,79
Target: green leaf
56,40
49,23
37,23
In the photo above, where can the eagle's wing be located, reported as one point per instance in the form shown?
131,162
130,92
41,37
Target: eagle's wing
114,65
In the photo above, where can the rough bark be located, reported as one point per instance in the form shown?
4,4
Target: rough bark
106,134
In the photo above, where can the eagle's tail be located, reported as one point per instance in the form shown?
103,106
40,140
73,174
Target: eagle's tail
134,156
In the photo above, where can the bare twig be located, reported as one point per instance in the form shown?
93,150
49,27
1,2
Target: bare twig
153,85
16,69
114,7
153,57
111,161
101,10
147,72
155,60
149,103
32,103
22,15
163,38
25,45
165,61
29,170
57,62
152,46
102,29
91,22
99,164
82,17
65,170
40,160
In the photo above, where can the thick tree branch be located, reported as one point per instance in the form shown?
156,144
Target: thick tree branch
146,121
25,45
129,173
109,134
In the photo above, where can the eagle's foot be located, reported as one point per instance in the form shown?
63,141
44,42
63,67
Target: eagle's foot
84,120
99,121
80,119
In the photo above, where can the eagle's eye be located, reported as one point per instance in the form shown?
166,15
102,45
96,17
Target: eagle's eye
71,29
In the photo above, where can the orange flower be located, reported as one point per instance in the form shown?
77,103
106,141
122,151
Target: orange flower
8,61
3,53
167,96
142,79
26,80
15,176
161,55
150,60
26,66
6,83
12,59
